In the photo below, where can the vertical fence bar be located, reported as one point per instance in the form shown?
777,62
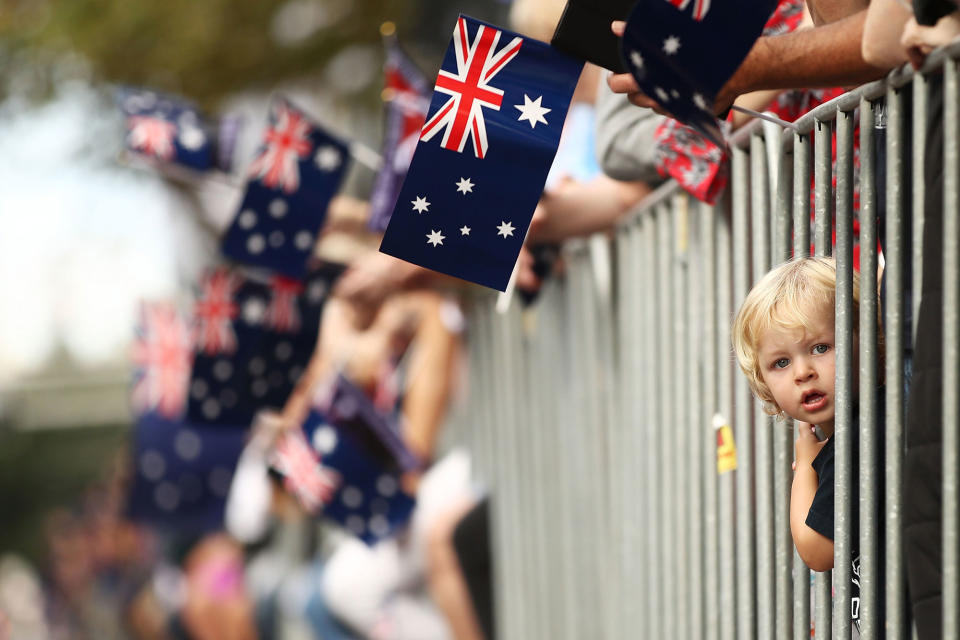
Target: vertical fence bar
895,252
951,352
823,186
822,247
694,385
782,443
655,562
743,421
843,419
801,194
669,550
728,583
711,534
868,479
917,184
763,444
681,472
640,407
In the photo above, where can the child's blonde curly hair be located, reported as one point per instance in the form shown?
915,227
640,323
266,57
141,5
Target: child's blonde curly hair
791,296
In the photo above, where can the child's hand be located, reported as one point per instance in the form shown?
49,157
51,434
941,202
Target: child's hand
807,446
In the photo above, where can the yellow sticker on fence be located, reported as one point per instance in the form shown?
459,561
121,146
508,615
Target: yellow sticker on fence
726,448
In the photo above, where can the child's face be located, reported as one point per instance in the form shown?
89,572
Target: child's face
798,366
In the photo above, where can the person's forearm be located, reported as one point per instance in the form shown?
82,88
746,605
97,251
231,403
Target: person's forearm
814,549
581,208
826,56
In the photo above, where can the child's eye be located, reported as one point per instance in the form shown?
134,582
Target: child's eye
782,363
821,348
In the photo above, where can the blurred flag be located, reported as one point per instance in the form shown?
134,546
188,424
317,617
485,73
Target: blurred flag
297,171
495,120
162,356
166,129
369,500
254,338
682,52
406,92
310,482
182,473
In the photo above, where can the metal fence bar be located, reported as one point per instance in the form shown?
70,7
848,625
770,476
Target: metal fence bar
697,435
801,194
823,582
917,185
951,352
681,472
728,592
711,524
869,565
782,442
843,417
895,252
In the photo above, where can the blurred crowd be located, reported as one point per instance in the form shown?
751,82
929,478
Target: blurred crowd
397,332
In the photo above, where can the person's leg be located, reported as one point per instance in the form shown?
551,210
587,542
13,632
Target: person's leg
471,540
445,577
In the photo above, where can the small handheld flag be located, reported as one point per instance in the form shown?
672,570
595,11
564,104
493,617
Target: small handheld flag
182,473
166,129
406,92
162,358
295,174
682,52
492,131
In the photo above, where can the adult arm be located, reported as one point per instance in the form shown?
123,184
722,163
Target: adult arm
882,31
825,56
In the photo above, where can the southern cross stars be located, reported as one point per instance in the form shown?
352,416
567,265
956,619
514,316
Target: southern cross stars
671,45
532,111
636,59
465,185
700,102
505,229
464,230
435,237
420,204
327,158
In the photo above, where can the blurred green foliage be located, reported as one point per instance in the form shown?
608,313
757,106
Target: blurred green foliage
204,49
48,469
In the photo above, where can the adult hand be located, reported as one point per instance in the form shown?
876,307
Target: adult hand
625,83
920,40
807,446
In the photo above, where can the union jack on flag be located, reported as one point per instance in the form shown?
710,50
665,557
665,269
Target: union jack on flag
297,172
287,142
215,311
282,314
478,62
304,476
152,136
162,357
700,7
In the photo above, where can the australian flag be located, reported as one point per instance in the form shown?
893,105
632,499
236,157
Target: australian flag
166,129
368,498
181,473
253,337
162,355
491,133
682,52
406,92
295,174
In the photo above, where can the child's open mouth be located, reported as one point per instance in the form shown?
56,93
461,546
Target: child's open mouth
814,401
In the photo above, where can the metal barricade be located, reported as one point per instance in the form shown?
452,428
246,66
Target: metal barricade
592,413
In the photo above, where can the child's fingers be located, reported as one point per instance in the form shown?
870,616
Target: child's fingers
805,431
618,27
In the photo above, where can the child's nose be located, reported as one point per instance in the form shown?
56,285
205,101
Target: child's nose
804,371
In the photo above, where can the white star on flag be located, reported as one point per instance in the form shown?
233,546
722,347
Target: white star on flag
327,158
465,186
663,95
435,238
700,102
532,111
420,204
636,59
505,229
464,230
671,45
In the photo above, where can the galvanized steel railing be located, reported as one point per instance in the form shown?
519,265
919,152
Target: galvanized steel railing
591,414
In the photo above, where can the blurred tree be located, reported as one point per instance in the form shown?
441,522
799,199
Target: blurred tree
204,49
